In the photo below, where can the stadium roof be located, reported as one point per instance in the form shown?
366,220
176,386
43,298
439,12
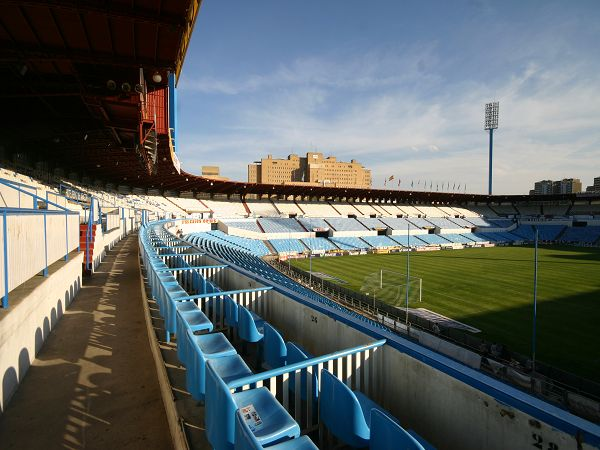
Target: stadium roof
69,71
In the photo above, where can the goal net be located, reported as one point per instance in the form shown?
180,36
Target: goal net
390,287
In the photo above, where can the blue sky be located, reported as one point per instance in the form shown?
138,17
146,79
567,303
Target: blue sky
398,85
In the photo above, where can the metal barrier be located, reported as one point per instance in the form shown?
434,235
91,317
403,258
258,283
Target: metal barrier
33,239
356,367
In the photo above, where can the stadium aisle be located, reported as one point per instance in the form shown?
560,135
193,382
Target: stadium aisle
93,384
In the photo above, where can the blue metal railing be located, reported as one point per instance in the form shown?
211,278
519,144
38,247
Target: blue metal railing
7,211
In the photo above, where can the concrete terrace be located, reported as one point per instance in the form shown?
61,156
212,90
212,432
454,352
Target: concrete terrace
94,382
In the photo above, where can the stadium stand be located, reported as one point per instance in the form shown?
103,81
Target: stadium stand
253,246
287,245
379,241
529,210
550,232
189,205
405,240
490,223
344,224
433,239
583,235
345,209
505,209
366,209
280,225
457,238
409,210
371,223
392,210
226,209
318,244
479,211
524,231
431,211
420,222
556,210
287,208
462,223
317,209
443,223
311,223
248,225
349,243
396,223
447,211
473,237
262,208
584,209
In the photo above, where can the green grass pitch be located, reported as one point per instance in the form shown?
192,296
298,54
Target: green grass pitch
492,290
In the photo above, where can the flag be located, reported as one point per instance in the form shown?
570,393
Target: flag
398,183
385,182
454,186
458,187
437,187
391,178
419,183
412,183
431,185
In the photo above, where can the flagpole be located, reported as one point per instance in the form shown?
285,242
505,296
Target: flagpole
407,273
535,277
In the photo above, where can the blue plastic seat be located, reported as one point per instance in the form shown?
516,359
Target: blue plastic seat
387,434
221,406
192,319
202,348
345,413
249,329
296,354
246,440
275,351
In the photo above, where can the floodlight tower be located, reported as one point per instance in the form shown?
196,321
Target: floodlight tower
491,124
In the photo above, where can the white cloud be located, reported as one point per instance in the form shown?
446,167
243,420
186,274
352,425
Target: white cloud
396,119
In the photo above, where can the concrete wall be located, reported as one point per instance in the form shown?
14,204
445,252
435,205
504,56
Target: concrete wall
34,310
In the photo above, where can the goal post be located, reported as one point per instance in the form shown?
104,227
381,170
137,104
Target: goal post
390,287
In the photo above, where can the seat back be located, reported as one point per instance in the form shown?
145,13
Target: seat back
220,409
275,351
246,326
296,354
231,312
387,434
340,411
244,437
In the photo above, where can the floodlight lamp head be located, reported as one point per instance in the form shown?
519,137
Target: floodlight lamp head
491,116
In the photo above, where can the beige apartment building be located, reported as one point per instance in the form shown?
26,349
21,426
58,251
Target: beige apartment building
312,170
213,172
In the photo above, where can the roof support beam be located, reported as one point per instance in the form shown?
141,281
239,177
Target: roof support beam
61,54
114,11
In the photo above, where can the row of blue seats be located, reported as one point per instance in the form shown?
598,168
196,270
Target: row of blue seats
213,350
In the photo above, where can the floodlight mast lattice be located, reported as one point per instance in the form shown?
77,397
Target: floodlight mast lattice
491,124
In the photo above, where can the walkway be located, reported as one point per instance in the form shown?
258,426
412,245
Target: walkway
93,384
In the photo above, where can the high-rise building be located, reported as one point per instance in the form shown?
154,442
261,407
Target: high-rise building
543,187
594,187
564,186
313,170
